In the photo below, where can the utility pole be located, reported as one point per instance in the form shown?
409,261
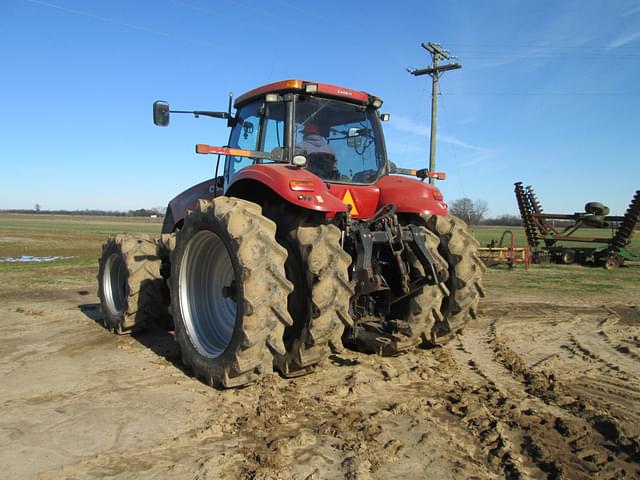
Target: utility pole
437,53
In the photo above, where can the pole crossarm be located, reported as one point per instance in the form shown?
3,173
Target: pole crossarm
432,70
436,49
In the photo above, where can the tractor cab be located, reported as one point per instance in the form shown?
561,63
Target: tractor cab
331,131
317,146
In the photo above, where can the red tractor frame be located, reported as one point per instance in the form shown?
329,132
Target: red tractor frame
280,257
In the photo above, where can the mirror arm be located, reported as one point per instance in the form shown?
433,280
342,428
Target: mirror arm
223,115
203,113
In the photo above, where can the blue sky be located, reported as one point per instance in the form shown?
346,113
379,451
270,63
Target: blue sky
549,92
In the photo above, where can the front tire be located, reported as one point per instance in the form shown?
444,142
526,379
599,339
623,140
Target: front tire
229,292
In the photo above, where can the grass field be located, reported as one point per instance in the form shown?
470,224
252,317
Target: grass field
79,237
82,238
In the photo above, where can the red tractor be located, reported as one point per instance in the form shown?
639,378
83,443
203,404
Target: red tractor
307,240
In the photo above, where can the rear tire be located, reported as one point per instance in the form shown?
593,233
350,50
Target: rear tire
229,292
460,250
325,279
422,312
130,287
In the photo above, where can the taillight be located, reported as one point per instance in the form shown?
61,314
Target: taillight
302,185
437,195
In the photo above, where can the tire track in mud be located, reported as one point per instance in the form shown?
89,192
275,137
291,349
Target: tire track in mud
527,413
601,386
606,380
376,419
594,347
621,330
364,417
498,410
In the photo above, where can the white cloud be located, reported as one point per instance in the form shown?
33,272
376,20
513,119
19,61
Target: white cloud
459,143
624,40
397,147
409,126
632,11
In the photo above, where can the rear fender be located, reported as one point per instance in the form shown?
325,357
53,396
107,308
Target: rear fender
178,207
411,196
285,181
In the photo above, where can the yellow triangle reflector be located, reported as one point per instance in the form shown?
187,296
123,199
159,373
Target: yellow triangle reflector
347,199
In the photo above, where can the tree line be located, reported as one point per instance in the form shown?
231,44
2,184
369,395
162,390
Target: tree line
141,212
474,213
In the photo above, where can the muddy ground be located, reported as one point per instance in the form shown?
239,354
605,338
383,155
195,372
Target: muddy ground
538,387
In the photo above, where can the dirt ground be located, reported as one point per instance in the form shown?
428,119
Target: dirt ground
538,387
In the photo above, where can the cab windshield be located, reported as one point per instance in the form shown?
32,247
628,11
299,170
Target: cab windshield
341,141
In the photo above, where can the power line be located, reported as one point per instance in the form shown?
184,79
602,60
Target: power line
539,45
514,56
550,94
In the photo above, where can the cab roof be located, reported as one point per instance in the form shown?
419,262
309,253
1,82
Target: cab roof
314,88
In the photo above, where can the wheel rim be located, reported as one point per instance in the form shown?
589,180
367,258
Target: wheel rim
611,264
115,279
207,303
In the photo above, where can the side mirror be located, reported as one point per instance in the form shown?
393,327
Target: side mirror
160,113
354,138
247,129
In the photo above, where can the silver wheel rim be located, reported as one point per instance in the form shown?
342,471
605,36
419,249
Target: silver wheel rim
206,274
115,279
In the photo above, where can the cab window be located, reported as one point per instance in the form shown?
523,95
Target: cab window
245,135
260,127
342,141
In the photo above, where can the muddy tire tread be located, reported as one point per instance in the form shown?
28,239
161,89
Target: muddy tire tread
327,267
145,303
424,309
265,287
460,249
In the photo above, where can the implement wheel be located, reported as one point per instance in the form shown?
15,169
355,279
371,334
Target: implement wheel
612,262
568,256
132,292
460,249
229,292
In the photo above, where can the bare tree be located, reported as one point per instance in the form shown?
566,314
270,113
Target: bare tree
462,208
469,211
480,209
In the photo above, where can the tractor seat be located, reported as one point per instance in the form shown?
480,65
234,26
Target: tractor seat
323,165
